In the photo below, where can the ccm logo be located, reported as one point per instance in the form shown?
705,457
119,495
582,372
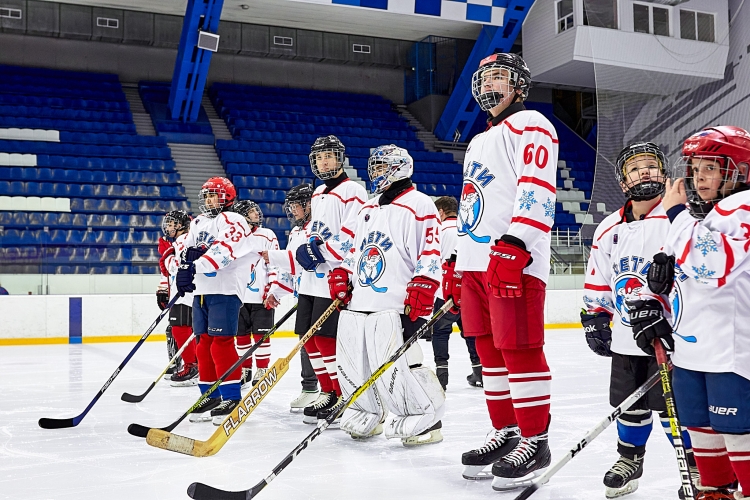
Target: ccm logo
722,410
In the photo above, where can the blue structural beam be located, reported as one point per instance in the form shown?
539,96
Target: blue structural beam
191,66
462,111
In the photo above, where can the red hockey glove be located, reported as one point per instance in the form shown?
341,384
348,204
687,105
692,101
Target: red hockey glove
508,258
164,245
452,283
338,284
265,296
163,261
420,297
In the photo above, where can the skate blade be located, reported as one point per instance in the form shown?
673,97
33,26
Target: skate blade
198,418
477,472
310,420
621,492
296,410
434,437
512,483
186,383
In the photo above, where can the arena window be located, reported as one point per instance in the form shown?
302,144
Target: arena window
283,40
697,26
564,9
650,19
10,13
106,22
361,49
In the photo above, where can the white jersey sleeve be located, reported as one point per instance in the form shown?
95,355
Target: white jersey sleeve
290,271
172,263
448,243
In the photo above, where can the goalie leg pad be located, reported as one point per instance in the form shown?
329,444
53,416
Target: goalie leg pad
367,411
411,392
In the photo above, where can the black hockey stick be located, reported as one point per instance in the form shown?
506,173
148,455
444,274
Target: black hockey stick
141,431
129,398
61,423
674,421
200,491
590,436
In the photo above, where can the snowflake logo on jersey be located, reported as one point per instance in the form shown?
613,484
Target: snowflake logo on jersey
706,244
346,246
433,266
470,212
702,273
526,200
549,208
371,267
252,282
627,289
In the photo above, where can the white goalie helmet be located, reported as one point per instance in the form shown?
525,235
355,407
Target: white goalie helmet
388,164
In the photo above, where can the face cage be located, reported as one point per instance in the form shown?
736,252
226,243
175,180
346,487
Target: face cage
331,173
643,190
289,215
382,181
728,172
165,223
489,100
222,201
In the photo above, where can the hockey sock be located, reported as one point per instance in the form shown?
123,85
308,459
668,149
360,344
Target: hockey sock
495,376
530,385
738,448
686,442
181,334
224,355
242,344
711,457
263,354
633,430
327,348
316,360
206,368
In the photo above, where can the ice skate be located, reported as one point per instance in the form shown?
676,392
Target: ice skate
247,377
219,413
442,375
622,478
519,467
325,400
259,375
186,377
430,436
475,379
203,412
334,408
498,444
306,398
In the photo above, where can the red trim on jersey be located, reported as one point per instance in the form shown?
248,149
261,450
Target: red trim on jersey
347,231
723,212
339,197
231,254
532,223
594,247
729,263
656,217
426,217
538,182
266,237
291,263
598,288
685,252
211,261
610,227
530,129
663,302
338,257
428,252
408,190
283,287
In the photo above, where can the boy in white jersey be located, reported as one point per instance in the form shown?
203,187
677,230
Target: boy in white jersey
394,263
335,204
621,253
706,255
220,249
508,198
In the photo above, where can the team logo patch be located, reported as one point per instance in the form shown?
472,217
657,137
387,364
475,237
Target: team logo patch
470,211
627,289
371,267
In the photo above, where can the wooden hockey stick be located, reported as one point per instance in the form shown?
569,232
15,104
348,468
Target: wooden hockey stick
181,444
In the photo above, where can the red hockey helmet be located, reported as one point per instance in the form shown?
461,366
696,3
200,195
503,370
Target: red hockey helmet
225,191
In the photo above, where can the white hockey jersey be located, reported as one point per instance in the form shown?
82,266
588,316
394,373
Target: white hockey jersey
621,254
448,243
232,250
394,243
260,273
172,263
711,308
332,220
286,261
509,188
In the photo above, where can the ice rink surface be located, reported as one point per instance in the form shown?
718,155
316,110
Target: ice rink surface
100,460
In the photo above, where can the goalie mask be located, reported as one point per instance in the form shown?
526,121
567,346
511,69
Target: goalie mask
174,223
641,171
298,198
250,211
715,165
327,157
500,76
216,195
388,164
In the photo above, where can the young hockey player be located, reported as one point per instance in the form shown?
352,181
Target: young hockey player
441,333
297,209
255,318
704,270
621,253
221,247
162,300
395,262
335,204
175,226
508,199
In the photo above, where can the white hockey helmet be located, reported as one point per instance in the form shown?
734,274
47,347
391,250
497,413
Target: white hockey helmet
388,164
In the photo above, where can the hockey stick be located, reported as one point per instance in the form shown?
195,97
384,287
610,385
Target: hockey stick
181,444
200,491
129,398
674,421
142,431
62,423
590,436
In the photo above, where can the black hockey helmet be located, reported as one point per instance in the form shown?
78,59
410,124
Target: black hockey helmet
300,194
175,221
244,207
519,78
634,188
327,144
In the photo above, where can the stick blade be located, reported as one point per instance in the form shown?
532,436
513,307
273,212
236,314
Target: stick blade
57,423
200,491
138,430
130,398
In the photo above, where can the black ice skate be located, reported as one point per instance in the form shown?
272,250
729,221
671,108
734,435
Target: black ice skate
519,467
247,378
622,478
324,401
499,443
336,407
186,377
219,413
475,379
442,376
203,412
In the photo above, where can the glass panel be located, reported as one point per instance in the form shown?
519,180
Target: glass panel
661,21
706,27
687,24
564,7
640,18
600,13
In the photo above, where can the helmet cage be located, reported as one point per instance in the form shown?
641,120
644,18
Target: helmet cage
304,204
244,207
732,178
332,145
635,189
174,221
398,165
222,202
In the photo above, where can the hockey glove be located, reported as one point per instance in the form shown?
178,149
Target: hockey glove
267,304
598,333
163,261
338,285
661,273
420,297
193,253
452,283
162,299
649,325
309,256
185,277
508,258
164,245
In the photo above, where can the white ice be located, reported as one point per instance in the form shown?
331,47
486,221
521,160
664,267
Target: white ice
100,460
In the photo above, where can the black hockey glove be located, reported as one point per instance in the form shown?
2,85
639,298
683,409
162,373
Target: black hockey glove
309,255
162,299
661,273
649,325
193,253
185,277
598,333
